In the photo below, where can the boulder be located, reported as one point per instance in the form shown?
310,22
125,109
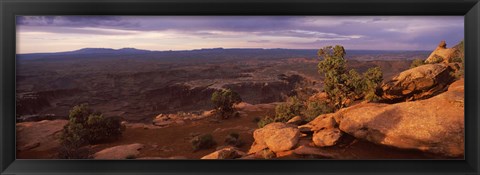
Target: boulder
442,54
325,130
421,82
276,136
283,139
324,121
120,152
225,153
433,125
326,137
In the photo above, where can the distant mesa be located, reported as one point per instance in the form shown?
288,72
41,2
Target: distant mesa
107,50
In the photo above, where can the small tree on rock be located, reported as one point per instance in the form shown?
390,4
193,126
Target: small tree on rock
342,86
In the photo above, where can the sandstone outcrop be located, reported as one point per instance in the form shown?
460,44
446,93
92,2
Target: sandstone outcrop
442,54
325,130
275,136
39,136
418,83
433,125
327,137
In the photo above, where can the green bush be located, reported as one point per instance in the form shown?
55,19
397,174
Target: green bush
314,109
416,63
291,108
372,78
355,84
223,102
87,127
204,141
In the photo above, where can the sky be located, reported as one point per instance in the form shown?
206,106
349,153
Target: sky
40,34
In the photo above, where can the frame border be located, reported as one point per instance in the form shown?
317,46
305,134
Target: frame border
10,8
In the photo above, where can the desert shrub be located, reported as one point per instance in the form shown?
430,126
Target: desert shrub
291,108
101,128
204,141
265,121
314,109
223,102
436,59
256,119
417,62
372,78
86,127
355,84
342,86
233,139
459,58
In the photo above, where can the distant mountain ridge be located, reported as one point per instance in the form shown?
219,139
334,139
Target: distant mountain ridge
206,53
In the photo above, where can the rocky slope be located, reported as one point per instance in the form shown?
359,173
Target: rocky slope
435,125
442,54
418,83
425,112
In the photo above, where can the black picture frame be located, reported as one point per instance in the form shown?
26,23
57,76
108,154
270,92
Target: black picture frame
10,8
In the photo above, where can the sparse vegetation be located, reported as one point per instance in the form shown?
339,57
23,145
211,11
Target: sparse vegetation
436,59
291,108
417,62
223,101
343,87
233,139
459,58
314,109
265,121
372,78
86,127
204,141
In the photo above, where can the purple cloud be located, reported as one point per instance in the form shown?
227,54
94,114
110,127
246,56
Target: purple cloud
358,32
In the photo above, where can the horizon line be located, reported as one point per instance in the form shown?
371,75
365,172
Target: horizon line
211,48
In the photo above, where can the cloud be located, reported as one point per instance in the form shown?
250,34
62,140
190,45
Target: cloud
259,41
185,32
